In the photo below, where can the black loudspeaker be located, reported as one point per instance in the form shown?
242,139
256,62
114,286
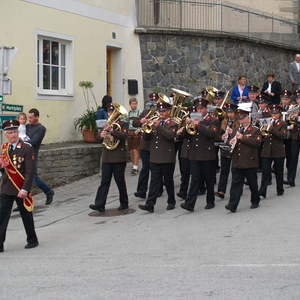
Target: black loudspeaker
132,87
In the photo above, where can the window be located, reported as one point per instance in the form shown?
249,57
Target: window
54,72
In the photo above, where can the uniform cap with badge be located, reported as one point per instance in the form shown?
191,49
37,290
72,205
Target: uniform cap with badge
286,93
10,125
244,109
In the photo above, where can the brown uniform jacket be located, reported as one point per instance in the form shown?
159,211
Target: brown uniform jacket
162,143
119,154
23,158
295,132
202,143
245,152
145,144
273,145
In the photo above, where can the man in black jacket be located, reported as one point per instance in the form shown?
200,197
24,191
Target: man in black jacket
272,88
36,132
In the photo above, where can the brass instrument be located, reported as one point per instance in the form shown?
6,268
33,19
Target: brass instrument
211,93
178,112
292,114
109,141
191,127
266,126
154,115
219,111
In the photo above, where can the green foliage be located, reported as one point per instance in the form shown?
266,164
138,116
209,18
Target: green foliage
86,121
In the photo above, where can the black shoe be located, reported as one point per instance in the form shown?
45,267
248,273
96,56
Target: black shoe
253,206
286,182
139,195
1,248
49,198
262,195
186,207
292,184
31,245
232,209
16,209
123,207
170,206
94,207
220,194
280,193
150,209
181,196
209,206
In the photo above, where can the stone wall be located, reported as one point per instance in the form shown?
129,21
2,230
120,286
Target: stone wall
59,165
191,62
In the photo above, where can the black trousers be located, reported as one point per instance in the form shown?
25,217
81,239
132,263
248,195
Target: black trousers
224,174
161,174
237,184
185,177
288,153
142,186
118,171
201,171
266,164
292,168
6,204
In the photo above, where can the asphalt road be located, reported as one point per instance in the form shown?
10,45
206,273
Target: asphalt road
253,254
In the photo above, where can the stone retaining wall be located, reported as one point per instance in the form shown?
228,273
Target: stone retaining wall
65,164
191,61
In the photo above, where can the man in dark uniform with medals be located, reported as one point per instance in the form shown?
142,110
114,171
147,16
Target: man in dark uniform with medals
113,164
228,126
142,186
17,164
245,145
202,156
273,150
162,157
294,131
286,105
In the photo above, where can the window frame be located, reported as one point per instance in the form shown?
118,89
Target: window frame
69,56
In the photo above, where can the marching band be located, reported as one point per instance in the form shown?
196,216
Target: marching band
254,135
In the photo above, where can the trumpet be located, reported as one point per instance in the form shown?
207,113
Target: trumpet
191,128
109,141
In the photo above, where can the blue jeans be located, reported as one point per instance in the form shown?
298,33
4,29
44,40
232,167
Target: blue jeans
41,184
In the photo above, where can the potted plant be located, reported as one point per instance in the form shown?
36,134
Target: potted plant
86,123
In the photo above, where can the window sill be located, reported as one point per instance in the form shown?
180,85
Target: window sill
45,96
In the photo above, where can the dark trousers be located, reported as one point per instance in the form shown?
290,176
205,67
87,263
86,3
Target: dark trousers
224,174
6,204
292,168
161,173
237,184
118,171
142,186
288,153
266,164
201,171
185,177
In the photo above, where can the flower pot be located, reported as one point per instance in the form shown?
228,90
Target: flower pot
89,136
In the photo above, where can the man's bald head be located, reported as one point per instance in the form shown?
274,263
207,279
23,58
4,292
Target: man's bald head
297,58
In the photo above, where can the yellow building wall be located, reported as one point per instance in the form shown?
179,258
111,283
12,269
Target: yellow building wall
19,22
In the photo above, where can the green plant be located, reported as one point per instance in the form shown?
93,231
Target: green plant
86,121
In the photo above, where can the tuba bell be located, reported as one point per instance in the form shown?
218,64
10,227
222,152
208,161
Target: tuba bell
109,141
179,112
211,93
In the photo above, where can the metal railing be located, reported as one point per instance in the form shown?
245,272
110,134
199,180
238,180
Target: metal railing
216,16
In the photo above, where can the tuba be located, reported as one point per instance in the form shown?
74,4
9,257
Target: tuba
178,112
211,93
292,114
109,141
